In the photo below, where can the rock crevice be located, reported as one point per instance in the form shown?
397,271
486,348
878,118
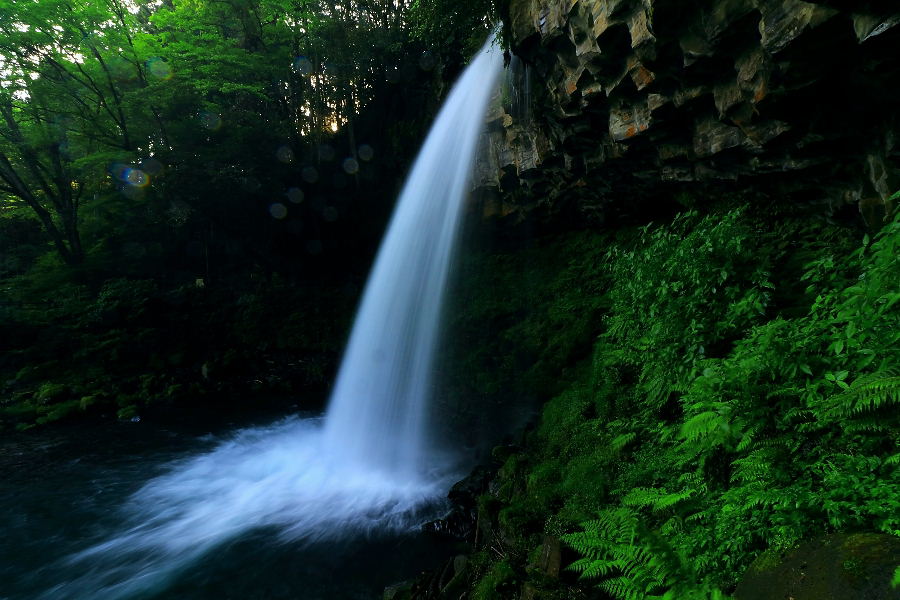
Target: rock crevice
631,98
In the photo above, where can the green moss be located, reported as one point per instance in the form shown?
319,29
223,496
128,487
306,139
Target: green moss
127,412
58,411
50,392
498,583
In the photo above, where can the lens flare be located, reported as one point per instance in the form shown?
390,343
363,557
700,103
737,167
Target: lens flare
159,68
284,154
278,210
365,152
129,175
295,195
117,171
302,65
351,167
137,178
210,120
330,214
309,174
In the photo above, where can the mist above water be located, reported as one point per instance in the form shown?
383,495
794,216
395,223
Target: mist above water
368,465
279,478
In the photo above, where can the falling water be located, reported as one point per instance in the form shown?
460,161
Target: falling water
377,414
368,467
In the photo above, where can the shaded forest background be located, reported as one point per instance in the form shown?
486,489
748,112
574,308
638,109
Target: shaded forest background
191,192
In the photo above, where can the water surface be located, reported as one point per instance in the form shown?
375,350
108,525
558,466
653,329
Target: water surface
133,510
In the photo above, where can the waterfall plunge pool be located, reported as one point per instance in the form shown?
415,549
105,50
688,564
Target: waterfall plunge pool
246,515
77,511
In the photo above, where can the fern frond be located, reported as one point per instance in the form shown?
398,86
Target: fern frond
703,424
867,425
638,563
756,466
622,588
591,568
748,438
658,499
867,394
620,442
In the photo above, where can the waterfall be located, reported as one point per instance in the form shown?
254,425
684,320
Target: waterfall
378,410
367,465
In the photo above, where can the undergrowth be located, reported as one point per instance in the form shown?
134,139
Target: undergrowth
742,395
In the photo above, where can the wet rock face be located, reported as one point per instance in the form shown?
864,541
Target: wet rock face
630,97
833,567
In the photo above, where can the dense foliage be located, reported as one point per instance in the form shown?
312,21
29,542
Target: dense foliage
191,191
201,111
741,396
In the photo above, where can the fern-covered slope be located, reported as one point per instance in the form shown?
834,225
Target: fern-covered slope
741,396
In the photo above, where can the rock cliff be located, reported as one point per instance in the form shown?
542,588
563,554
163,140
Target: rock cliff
611,104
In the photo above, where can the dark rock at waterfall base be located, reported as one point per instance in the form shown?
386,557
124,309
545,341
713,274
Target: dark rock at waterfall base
464,493
460,522
840,566
447,583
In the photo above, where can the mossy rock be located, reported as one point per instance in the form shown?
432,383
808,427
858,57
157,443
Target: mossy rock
499,582
127,412
50,392
58,412
839,566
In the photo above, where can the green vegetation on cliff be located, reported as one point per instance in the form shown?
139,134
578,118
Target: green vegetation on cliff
741,396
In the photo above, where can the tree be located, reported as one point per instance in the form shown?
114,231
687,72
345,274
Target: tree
63,106
223,94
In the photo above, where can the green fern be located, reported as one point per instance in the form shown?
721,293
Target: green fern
865,398
757,465
657,499
620,442
710,426
635,562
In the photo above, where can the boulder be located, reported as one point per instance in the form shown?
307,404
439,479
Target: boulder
839,566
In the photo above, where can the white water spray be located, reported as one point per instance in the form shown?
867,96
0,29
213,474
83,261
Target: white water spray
369,466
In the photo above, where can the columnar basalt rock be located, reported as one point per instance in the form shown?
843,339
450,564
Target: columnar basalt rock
633,97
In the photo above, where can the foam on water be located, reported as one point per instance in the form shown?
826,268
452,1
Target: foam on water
279,477
368,465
